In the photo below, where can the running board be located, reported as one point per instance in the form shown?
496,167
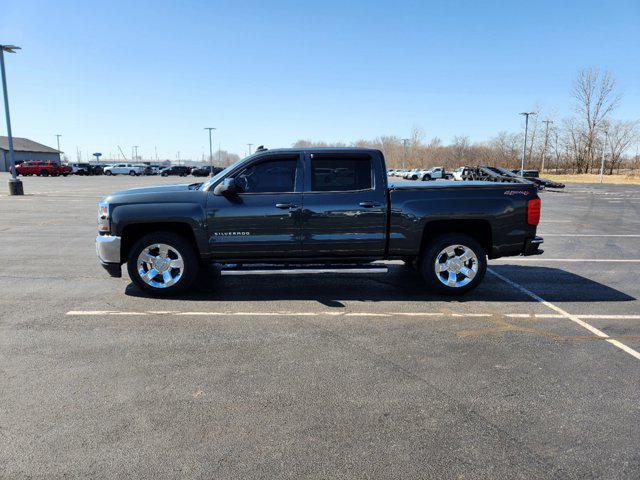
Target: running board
233,269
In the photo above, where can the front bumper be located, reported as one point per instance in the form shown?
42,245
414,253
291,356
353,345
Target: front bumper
532,246
108,251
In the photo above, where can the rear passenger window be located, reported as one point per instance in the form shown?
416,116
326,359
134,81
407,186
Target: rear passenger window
340,172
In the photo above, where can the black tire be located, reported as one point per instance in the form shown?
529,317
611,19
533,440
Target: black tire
108,173
426,178
44,173
164,174
176,242
132,173
432,252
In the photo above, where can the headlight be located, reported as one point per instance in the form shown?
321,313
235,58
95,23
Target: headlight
103,217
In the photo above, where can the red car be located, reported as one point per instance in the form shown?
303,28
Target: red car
44,169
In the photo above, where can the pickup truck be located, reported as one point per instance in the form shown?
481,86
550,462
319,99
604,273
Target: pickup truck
314,211
434,173
124,169
42,169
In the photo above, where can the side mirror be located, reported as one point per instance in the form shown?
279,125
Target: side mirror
227,187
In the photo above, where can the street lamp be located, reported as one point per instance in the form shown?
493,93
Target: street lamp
210,150
405,141
15,185
58,139
526,130
604,149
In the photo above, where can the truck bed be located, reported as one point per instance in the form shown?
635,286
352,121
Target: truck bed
415,185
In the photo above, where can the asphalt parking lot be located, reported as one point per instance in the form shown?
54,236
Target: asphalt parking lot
534,374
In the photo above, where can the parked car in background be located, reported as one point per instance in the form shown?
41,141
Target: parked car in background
205,171
534,176
124,169
152,170
180,170
43,169
85,169
527,173
434,173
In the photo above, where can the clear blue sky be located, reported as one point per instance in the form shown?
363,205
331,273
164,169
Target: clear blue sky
157,72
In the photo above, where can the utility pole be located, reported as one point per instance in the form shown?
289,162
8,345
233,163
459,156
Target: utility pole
604,148
15,185
135,157
405,141
58,139
526,133
250,145
155,149
210,150
546,139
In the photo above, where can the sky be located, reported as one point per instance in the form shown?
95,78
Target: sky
155,73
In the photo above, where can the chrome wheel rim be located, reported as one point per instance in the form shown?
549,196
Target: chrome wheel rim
160,265
456,266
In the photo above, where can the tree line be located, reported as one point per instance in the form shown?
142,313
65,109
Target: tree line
575,144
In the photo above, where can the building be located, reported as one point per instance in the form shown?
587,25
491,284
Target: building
25,149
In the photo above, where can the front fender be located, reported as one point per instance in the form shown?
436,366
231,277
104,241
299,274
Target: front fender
191,214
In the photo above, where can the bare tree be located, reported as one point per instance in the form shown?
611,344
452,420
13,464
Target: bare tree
621,136
595,96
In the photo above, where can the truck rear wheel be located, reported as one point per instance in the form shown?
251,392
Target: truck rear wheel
453,264
162,263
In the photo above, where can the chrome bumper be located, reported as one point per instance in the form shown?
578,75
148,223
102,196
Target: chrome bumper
108,248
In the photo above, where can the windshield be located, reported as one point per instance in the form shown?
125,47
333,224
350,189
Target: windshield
223,173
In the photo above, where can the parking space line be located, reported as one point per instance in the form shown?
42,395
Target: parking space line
603,316
567,315
590,235
589,260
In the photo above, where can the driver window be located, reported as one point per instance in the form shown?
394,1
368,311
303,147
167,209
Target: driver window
271,176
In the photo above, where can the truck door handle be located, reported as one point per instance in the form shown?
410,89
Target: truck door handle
286,205
368,204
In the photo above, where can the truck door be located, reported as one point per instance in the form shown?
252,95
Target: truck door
263,219
345,205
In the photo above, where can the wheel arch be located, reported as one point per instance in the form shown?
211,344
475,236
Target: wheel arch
479,230
131,233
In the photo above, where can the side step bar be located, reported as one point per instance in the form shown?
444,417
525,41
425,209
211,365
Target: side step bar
302,269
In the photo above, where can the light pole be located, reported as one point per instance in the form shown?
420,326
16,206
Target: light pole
58,140
404,151
604,148
250,145
526,133
15,185
135,158
546,140
210,150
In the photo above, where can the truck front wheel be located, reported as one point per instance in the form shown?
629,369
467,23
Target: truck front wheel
162,263
453,264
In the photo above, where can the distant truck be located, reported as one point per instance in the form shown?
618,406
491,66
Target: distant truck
43,169
124,169
434,173
314,211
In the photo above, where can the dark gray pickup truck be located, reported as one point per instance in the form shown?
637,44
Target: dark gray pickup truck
315,211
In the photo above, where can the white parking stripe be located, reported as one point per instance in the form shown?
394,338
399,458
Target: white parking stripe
589,235
351,314
573,318
589,260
